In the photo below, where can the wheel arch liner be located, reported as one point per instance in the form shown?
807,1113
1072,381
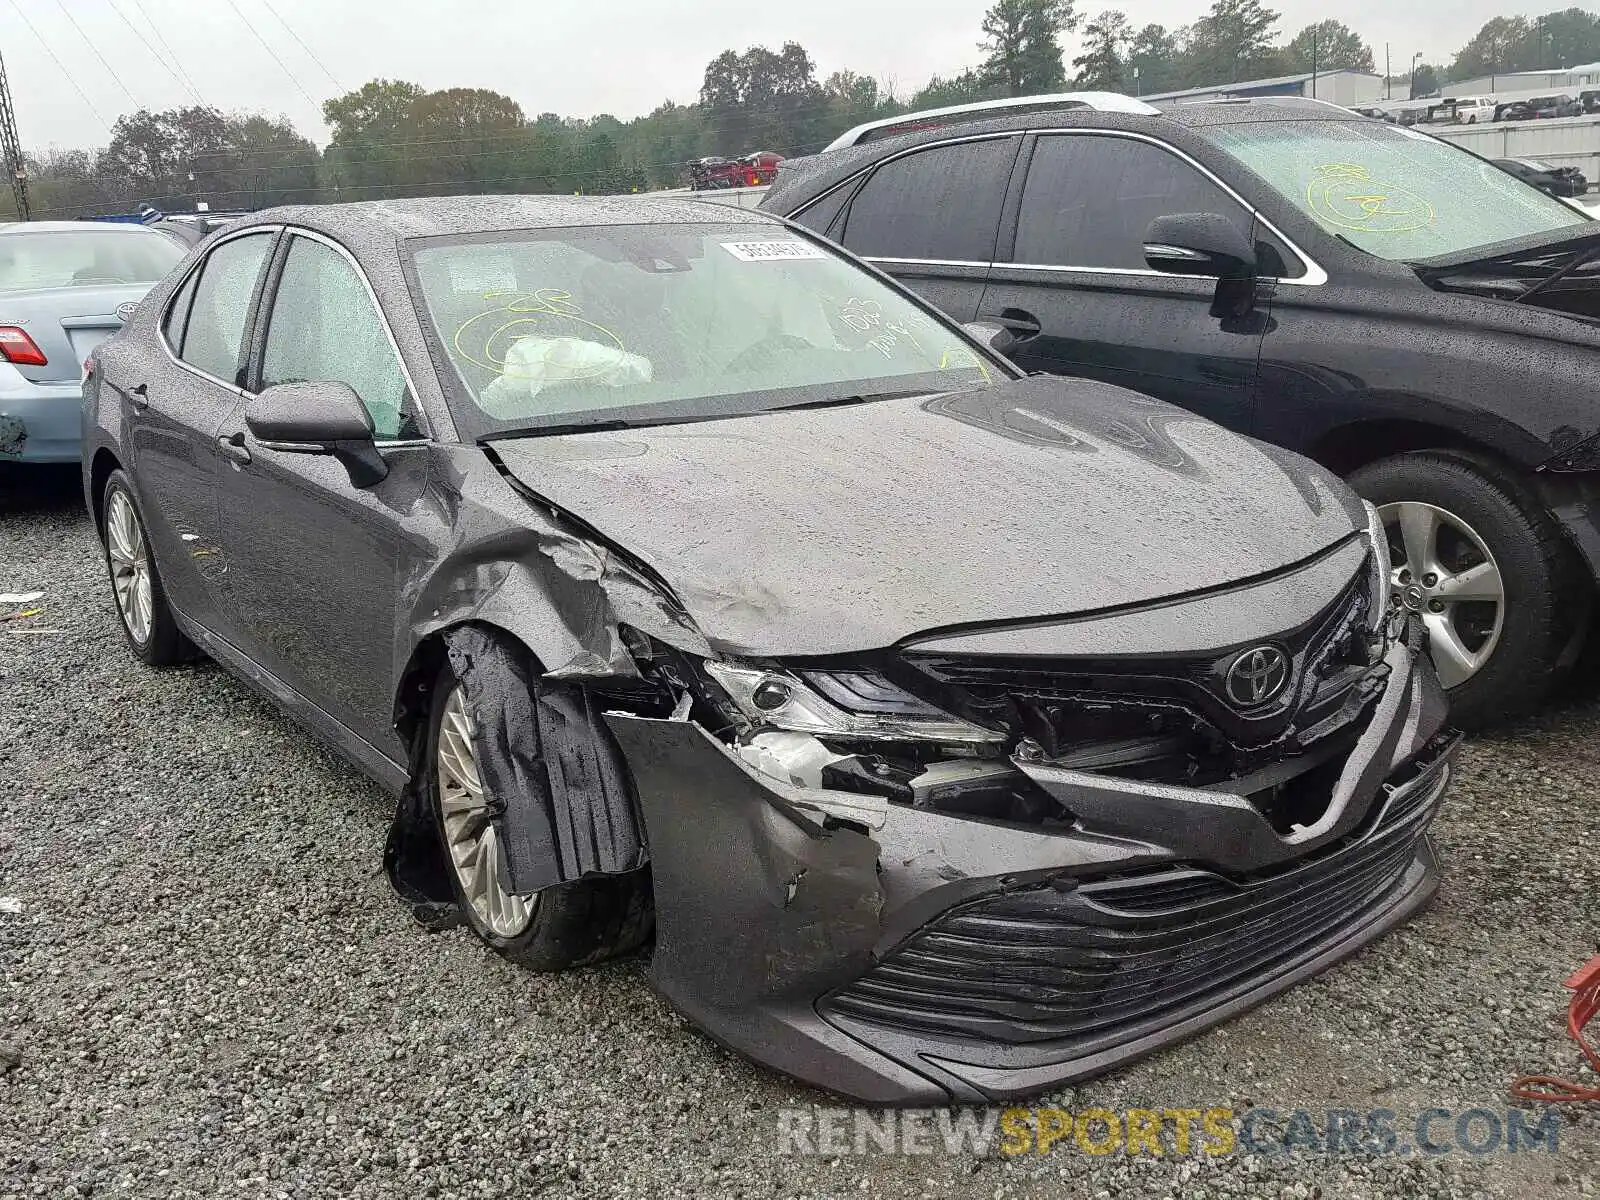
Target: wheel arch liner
559,793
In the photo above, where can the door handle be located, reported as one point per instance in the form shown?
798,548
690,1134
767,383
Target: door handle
139,396
1021,323
233,447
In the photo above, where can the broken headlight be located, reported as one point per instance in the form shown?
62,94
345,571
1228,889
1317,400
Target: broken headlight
839,704
1388,618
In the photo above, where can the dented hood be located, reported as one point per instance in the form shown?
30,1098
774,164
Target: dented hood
844,529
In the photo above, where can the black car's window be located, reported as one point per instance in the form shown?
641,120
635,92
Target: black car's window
172,325
215,332
821,215
1089,200
323,328
942,203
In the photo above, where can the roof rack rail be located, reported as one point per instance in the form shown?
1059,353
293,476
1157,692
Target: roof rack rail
1113,102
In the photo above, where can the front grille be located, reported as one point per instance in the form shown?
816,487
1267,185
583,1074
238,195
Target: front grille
1108,958
1167,719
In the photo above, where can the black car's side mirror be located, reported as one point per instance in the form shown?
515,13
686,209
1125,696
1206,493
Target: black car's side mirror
318,418
1206,244
1210,246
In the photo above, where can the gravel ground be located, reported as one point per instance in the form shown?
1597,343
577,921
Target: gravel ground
212,992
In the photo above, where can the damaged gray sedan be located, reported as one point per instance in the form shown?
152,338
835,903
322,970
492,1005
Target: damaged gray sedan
955,733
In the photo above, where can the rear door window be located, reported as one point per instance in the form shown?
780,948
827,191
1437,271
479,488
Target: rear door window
173,324
214,338
1088,201
939,203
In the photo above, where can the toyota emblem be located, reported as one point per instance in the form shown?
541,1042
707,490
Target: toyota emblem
1256,676
126,309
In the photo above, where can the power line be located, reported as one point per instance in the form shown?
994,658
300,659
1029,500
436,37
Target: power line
61,66
160,37
283,65
309,52
155,54
93,49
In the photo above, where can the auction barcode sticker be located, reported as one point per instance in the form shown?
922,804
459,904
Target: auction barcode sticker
766,251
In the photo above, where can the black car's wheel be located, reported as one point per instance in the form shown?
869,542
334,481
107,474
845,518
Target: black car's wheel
1486,569
147,620
568,925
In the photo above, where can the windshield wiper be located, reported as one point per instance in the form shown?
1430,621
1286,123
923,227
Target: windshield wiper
846,401
559,428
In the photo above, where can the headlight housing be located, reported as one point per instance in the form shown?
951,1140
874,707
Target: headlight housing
1387,617
846,704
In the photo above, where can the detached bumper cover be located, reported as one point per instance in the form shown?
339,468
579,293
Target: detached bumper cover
39,422
943,959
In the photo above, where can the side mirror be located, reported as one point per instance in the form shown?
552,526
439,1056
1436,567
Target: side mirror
997,337
318,418
1205,244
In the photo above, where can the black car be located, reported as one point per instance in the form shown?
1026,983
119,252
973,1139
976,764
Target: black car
964,732
1547,177
1396,308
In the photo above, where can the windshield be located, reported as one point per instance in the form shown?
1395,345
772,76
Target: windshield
84,258
1395,193
666,323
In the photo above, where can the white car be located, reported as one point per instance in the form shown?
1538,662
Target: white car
1471,110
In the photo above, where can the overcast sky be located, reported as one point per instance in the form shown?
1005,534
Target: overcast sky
579,59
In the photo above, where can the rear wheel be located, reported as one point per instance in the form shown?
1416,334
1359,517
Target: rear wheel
147,620
568,925
1485,568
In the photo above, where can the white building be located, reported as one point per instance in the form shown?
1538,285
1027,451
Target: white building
1529,83
1341,85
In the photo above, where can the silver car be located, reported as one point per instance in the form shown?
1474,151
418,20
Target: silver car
65,286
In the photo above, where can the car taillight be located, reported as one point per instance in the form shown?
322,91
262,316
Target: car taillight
17,348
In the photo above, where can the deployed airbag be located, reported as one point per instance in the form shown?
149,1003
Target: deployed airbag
534,364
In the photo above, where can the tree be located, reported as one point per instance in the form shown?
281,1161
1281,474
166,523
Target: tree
1564,39
1327,46
180,157
272,164
1233,41
1153,54
1023,41
1424,81
1501,45
965,88
1103,64
759,100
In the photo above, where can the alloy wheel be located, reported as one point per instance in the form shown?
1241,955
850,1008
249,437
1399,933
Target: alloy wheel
130,567
1445,574
470,836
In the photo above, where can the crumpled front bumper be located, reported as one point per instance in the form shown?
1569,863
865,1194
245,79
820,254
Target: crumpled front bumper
941,959
39,422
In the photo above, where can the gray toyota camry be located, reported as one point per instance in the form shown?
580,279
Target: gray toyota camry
952,733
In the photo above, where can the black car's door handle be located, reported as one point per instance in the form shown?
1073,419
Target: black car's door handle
234,448
1021,323
139,396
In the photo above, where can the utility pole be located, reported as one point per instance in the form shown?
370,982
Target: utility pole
11,147
1313,62
1388,83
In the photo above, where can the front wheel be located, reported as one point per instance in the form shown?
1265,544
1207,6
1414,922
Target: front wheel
1485,568
568,925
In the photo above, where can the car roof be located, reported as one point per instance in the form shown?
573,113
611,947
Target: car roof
448,216
71,226
800,179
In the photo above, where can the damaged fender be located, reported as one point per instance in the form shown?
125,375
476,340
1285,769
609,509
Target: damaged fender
559,794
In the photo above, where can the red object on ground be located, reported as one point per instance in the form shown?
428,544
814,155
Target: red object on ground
1585,985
